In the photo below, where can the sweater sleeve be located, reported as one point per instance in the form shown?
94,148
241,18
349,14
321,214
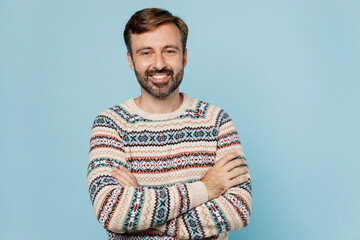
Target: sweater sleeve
121,209
229,212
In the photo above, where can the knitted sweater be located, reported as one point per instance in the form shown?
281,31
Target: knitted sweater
168,154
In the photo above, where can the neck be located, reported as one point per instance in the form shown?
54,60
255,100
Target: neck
155,105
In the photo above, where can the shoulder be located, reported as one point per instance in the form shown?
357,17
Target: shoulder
209,110
118,114
202,107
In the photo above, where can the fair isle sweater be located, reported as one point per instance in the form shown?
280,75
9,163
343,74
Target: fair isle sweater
168,154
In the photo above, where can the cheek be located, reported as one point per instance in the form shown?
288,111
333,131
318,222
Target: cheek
177,64
140,66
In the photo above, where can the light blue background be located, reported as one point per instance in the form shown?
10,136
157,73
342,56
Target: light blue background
286,71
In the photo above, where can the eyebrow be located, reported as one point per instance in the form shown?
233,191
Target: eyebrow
149,48
172,46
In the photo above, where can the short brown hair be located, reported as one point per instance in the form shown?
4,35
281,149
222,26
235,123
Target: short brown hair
150,18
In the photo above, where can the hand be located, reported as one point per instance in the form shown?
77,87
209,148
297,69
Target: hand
124,177
225,174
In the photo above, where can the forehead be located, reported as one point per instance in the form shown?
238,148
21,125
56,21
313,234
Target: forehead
161,36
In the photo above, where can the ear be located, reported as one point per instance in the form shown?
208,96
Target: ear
185,57
131,62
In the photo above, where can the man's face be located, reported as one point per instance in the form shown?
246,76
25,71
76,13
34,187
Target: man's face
158,60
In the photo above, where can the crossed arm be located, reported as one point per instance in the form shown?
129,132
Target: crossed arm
220,202
229,171
220,181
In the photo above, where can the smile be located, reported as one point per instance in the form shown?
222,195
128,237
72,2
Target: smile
159,78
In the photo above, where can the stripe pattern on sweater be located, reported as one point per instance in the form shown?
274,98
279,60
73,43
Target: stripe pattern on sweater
168,156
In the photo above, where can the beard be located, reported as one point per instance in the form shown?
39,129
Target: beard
160,90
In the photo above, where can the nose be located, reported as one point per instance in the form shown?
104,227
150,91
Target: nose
159,62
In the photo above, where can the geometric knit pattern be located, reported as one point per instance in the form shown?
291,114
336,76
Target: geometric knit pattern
168,154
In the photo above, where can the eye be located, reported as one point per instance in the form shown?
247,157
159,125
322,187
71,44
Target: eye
145,53
170,51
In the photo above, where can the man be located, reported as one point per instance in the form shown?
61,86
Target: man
165,165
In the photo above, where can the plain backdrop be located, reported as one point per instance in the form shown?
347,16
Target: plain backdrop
286,71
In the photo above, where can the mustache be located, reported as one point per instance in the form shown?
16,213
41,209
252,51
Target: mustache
155,71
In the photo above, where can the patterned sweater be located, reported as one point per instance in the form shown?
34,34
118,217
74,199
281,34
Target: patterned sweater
168,154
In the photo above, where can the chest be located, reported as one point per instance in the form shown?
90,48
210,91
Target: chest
163,157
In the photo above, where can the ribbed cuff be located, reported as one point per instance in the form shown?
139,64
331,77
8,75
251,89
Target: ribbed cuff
198,194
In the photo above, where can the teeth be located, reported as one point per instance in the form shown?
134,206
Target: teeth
159,76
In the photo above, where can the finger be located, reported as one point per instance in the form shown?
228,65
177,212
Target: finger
123,169
123,181
121,176
227,158
116,175
237,172
118,178
234,164
239,180
133,177
127,176
125,173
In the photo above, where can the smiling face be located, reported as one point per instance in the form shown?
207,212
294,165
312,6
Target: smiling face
158,60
